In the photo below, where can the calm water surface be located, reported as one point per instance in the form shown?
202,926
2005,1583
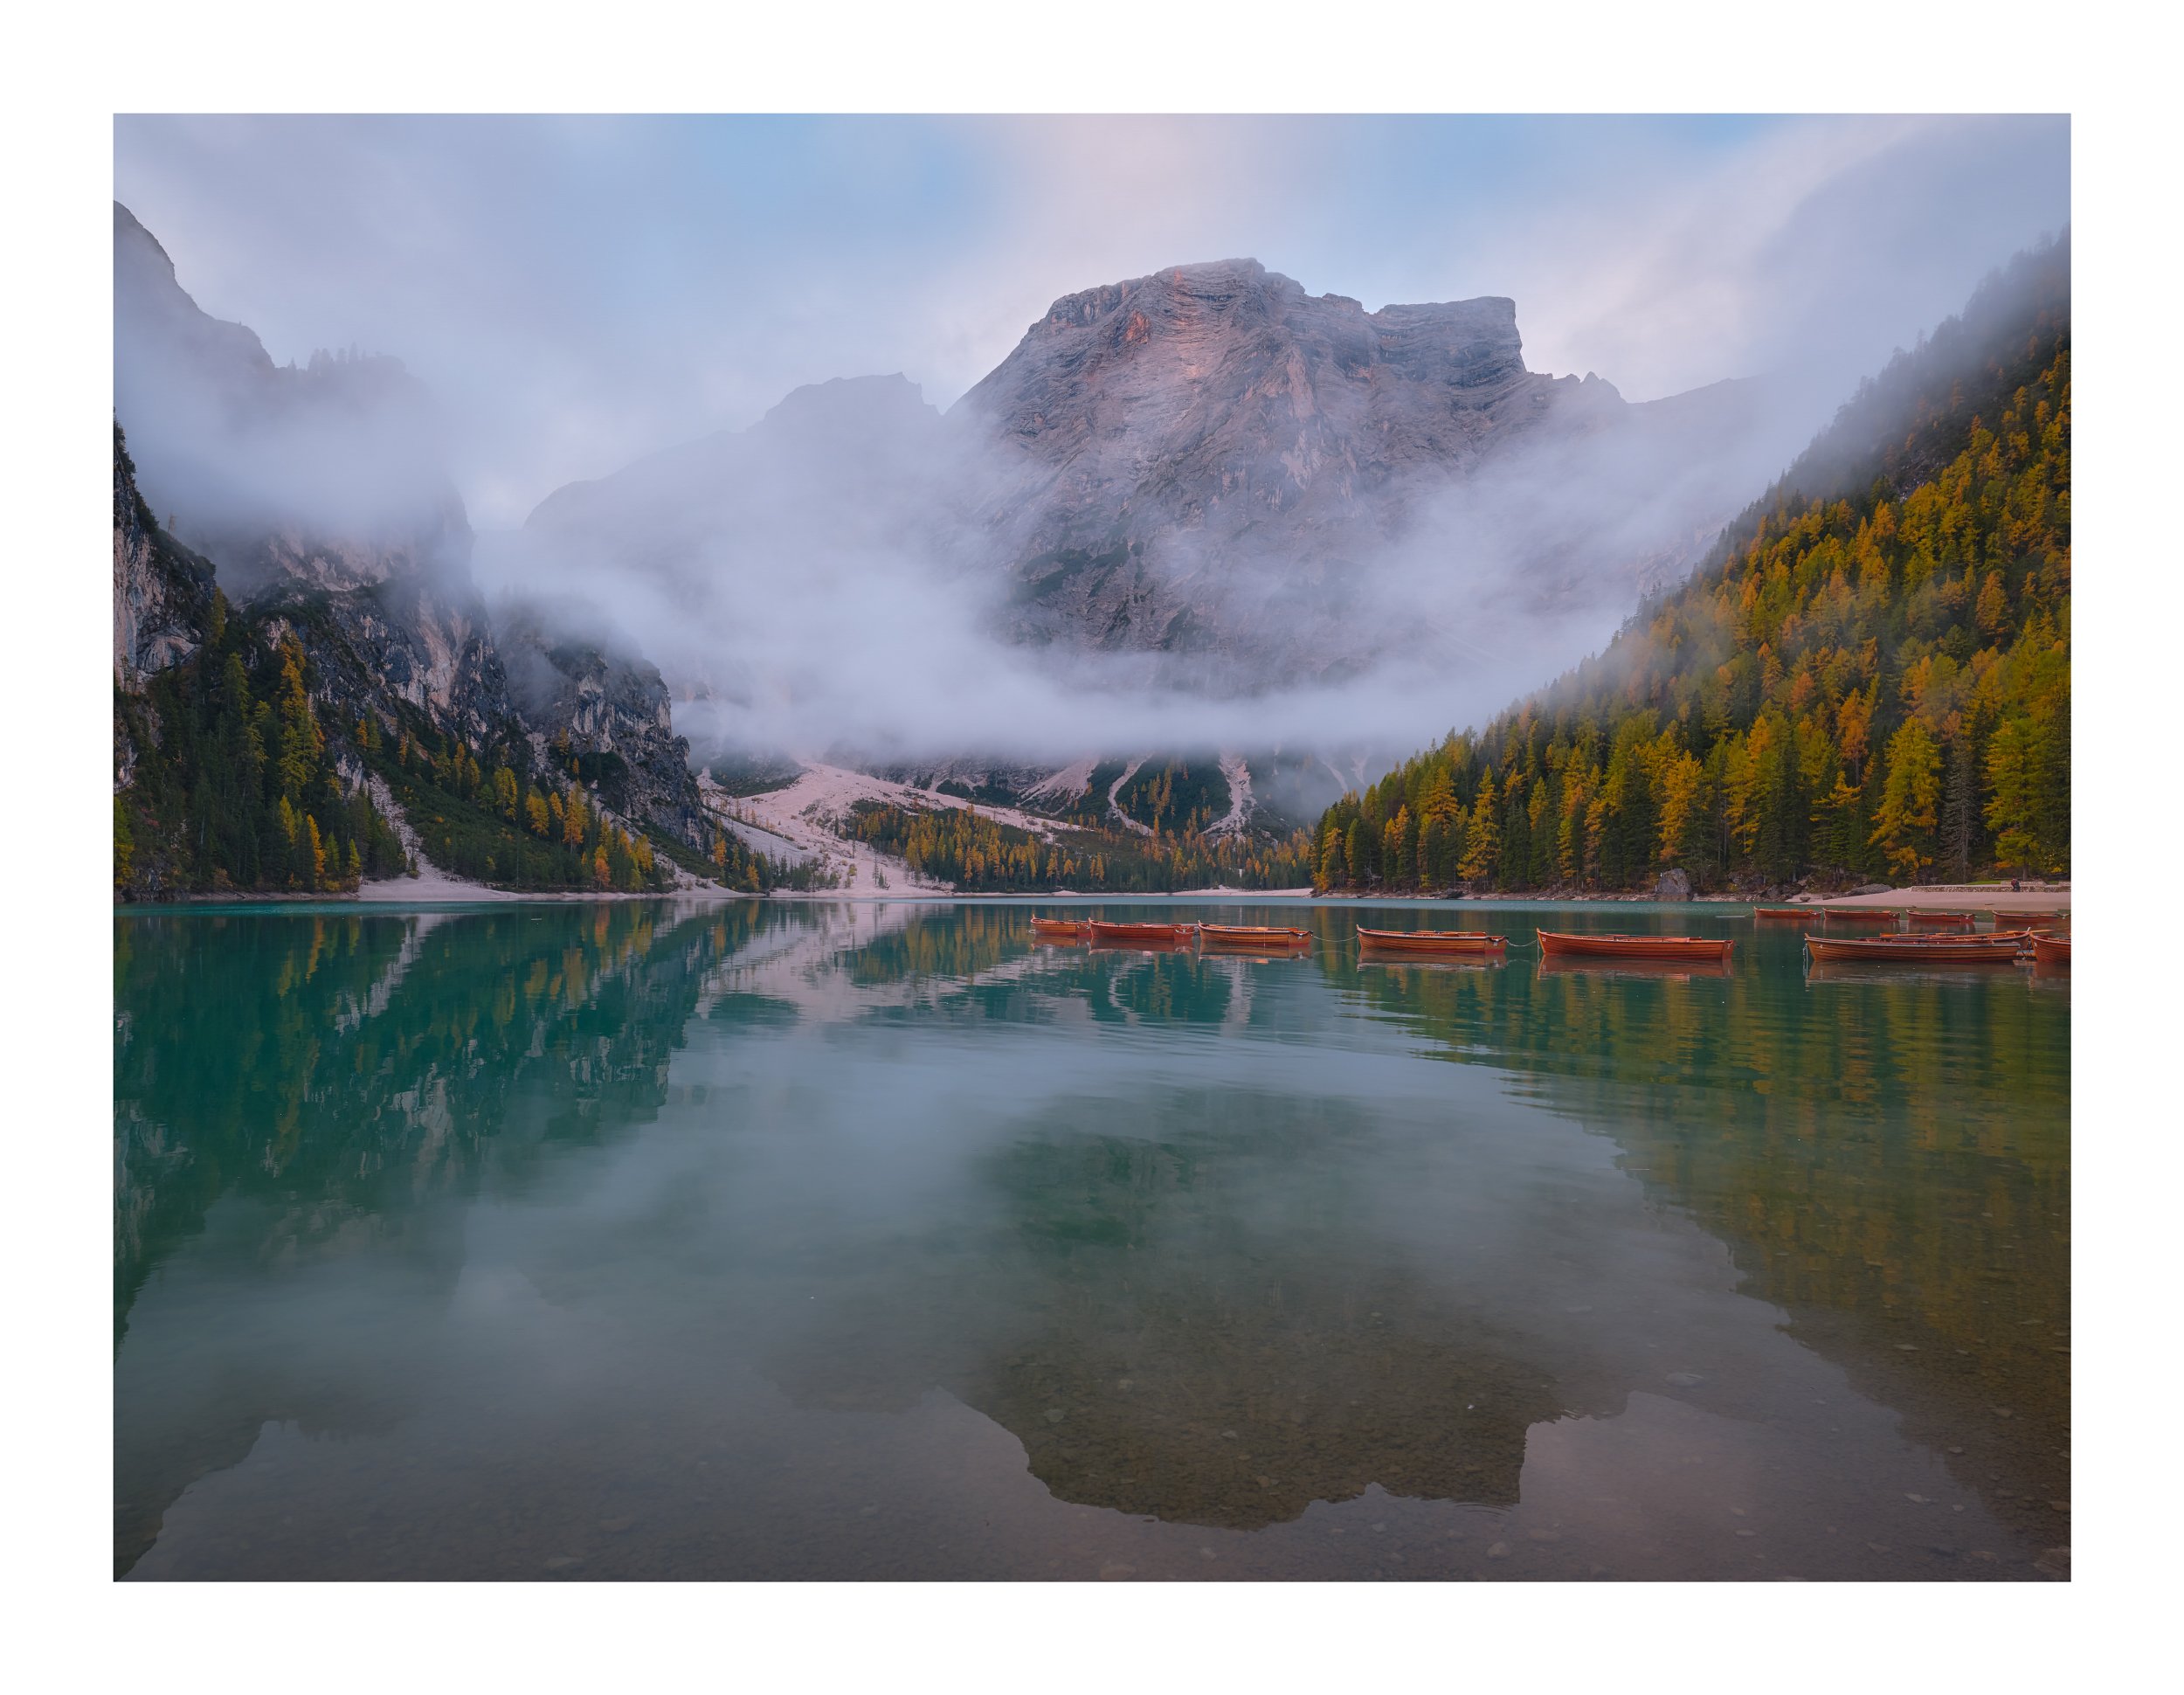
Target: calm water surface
759,1241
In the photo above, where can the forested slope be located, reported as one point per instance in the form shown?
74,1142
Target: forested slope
1870,676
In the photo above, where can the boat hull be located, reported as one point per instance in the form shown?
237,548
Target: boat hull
2052,950
1430,942
1257,939
1559,945
1917,951
1142,935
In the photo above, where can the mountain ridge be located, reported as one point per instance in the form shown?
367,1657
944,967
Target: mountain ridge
333,563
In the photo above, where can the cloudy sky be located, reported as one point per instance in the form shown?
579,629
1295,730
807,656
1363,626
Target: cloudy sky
580,291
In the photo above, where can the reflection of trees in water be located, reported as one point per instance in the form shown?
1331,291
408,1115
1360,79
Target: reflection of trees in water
1887,1159
340,1074
1891,1165
344,1073
1207,1329
954,942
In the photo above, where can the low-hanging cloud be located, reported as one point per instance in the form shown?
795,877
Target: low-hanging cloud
573,292
836,583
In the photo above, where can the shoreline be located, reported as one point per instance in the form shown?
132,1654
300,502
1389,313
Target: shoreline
400,892
1978,899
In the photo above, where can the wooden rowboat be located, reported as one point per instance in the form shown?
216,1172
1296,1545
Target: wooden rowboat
2052,950
1429,941
1876,914
1060,929
1799,912
1140,935
1925,915
2003,916
1634,947
1263,937
1919,950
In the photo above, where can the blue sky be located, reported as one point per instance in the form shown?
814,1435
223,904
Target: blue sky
579,291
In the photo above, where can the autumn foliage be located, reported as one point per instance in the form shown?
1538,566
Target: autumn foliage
1870,679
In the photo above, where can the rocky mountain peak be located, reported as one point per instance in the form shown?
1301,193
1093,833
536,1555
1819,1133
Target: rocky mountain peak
1166,438
1184,317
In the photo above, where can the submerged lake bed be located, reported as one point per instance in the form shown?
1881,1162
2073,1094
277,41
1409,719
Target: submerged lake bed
829,1239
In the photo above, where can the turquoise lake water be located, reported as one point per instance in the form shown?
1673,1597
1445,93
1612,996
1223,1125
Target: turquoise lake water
769,1240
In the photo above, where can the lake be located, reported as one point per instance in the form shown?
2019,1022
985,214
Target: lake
775,1241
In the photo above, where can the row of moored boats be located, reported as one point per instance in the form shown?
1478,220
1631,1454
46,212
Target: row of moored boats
1949,939
1932,936
1279,938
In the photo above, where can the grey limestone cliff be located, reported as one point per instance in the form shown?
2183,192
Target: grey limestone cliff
607,707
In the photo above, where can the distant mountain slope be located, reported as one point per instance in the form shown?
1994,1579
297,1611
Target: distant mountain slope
1210,461
1871,677
270,730
1203,484
1206,463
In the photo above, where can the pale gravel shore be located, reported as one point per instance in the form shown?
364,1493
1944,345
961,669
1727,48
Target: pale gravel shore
440,890
432,887
1950,900
1058,897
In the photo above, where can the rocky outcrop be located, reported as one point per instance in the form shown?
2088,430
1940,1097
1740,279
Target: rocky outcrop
1211,460
162,592
1220,398
406,639
608,709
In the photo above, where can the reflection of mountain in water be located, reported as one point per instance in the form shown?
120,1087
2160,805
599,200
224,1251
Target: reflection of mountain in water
1211,1238
1783,1135
1214,1329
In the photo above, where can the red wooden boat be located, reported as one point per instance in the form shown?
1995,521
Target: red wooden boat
2018,920
1929,917
1141,935
1060,929
1919,950
1633,947
1429,941
1799,912
1259,937
2052,950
